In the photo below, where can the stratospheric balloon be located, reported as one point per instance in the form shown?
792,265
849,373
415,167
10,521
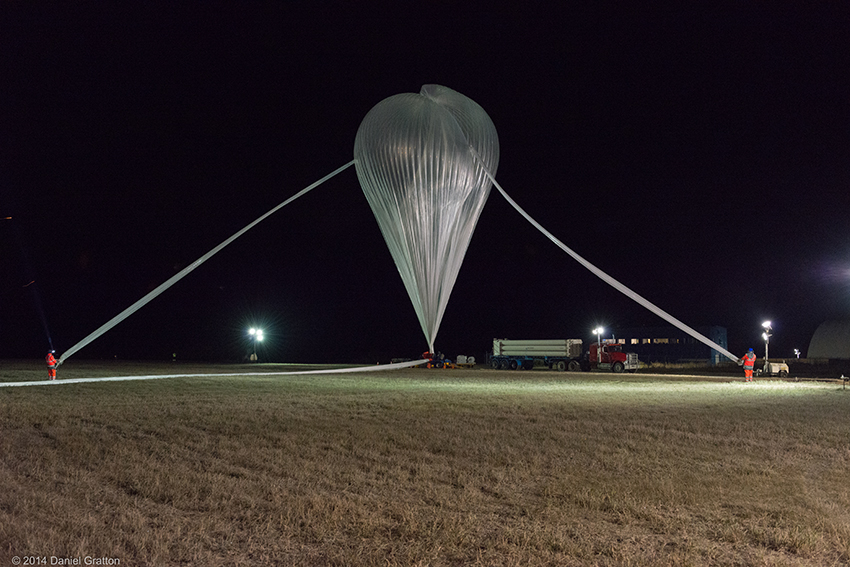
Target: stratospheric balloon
421,159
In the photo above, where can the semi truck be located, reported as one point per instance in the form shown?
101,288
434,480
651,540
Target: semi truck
561,354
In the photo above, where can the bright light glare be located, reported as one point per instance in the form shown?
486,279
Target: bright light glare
598,331
252,331
259,334
766,324
764,336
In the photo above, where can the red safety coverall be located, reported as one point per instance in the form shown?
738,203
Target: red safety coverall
430,357
749,362
51,366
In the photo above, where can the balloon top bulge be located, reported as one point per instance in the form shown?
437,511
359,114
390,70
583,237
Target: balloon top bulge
421,161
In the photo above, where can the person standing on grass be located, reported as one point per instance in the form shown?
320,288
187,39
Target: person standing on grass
749,361
52,365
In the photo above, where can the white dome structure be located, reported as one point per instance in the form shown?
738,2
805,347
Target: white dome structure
831,340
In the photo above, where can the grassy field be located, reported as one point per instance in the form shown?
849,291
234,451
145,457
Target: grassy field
423,467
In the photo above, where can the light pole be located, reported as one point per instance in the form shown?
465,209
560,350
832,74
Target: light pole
598,332
766,336
256,335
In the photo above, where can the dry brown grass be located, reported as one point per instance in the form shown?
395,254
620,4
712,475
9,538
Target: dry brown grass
424,467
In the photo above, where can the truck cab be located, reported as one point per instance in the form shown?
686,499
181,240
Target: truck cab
609,357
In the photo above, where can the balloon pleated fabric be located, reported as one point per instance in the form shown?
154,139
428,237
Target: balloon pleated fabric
421,160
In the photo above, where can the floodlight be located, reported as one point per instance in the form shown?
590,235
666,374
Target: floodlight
766,336
598,332
256,335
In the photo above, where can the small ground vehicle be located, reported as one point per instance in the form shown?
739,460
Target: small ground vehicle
773,369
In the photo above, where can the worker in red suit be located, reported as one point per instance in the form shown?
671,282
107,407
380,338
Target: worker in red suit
749,361
430,357
52,365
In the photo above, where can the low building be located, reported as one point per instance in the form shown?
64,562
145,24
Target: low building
672,345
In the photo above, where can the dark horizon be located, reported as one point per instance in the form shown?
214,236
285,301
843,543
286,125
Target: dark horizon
698,155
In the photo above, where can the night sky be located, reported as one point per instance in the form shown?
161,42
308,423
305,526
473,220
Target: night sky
697,152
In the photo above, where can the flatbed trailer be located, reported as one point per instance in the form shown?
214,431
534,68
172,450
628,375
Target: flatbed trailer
556,354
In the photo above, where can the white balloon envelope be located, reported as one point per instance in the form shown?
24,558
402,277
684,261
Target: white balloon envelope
420,159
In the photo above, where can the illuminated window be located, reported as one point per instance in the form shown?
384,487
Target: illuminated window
635,341
660,341
646,341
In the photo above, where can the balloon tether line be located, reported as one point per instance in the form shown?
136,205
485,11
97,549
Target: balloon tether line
608,279
178,276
